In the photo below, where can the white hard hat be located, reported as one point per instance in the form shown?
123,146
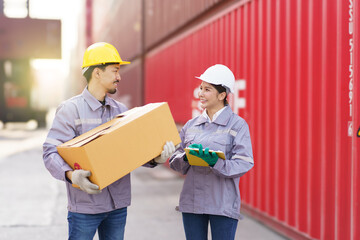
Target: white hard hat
219,74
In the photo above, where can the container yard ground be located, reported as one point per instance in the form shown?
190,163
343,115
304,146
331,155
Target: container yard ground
33,204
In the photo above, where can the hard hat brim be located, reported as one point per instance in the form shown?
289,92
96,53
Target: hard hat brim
200,78
207,81
230,90
121,63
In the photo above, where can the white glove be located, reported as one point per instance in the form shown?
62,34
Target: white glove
168,150
80,178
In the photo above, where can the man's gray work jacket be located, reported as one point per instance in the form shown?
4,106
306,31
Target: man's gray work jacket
73,118
214,190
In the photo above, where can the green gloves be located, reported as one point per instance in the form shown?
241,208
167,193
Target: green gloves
210,158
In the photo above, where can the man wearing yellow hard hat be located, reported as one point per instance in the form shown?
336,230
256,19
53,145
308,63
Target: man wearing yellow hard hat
90,209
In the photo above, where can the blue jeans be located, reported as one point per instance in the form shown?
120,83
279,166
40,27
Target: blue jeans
110,225
196,226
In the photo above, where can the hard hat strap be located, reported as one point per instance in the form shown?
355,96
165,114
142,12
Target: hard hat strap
84,70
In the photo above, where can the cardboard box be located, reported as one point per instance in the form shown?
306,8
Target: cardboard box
114,149
196,161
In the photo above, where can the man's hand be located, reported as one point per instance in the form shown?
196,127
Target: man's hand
168,150
80,178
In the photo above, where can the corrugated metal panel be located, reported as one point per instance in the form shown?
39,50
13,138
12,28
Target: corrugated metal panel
295,65
119,23
163,17
99,10
355,164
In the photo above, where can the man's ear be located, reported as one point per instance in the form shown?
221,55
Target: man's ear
96,73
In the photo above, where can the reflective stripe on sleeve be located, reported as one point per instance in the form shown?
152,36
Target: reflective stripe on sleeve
247,159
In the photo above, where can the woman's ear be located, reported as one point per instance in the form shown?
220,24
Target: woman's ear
222,96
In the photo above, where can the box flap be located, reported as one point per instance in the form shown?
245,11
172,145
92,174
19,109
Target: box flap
132,114
111,125
92,134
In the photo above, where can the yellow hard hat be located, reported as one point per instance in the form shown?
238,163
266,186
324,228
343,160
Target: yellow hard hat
101,53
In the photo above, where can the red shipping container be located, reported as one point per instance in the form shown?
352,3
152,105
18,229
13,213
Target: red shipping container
298,88
163,18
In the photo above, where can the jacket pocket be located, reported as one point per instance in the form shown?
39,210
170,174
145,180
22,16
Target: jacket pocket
222,144
189,139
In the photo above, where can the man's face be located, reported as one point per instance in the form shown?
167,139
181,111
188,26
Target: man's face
110,78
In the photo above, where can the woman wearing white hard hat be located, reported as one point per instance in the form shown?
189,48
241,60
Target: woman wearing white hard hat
211,194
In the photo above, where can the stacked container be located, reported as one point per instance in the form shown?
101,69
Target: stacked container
296,64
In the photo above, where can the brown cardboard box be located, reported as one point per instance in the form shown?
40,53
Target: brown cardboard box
114,149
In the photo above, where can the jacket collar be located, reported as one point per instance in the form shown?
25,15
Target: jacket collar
222,119
93,102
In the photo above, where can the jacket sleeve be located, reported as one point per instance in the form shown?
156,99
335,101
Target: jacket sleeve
62,130
176,161
241,156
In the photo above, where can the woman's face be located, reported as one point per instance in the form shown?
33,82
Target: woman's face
210,97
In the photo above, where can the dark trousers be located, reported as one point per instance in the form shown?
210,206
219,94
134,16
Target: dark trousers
196,226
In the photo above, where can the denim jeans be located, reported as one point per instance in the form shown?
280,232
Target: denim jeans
110,225
196,226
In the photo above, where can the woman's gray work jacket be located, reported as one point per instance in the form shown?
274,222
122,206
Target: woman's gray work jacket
214,190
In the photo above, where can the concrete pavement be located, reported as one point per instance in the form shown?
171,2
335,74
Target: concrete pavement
33,204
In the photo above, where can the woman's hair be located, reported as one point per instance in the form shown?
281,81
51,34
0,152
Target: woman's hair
221,89
89,71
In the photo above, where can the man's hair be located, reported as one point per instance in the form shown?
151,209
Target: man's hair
221,89
87,74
